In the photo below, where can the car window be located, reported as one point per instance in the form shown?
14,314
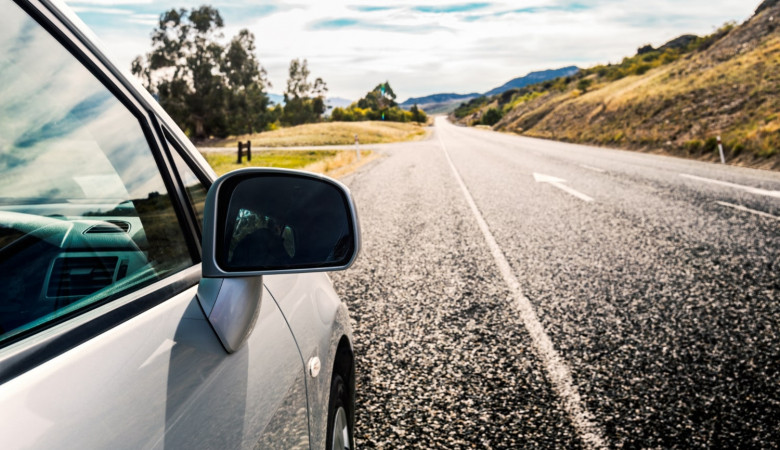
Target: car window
196,192
84,213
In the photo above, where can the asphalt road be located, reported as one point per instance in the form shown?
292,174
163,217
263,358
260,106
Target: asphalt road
517,293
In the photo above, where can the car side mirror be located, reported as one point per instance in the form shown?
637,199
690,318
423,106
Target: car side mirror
261,221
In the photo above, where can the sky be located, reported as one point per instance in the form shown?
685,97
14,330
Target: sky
423,47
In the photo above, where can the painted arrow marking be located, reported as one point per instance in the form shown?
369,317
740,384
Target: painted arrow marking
557,182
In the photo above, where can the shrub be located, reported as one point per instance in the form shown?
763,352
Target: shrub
710,145
491,117
693,146
584,84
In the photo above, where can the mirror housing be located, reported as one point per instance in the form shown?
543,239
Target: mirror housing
261,221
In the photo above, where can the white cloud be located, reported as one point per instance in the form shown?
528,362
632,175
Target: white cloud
422,53
99,10
149,20
109,2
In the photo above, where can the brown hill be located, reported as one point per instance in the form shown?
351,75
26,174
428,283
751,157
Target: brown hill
675,99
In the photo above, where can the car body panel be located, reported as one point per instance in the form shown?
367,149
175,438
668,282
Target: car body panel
162,379
146,370
309,302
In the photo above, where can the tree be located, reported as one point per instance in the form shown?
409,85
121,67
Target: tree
378,104
304,100
418,115
246,81
197,80
381,98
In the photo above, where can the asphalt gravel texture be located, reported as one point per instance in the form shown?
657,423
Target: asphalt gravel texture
662,303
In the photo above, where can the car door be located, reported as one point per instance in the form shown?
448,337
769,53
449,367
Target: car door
103,343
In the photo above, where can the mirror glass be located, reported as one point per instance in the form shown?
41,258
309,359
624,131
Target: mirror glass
283,221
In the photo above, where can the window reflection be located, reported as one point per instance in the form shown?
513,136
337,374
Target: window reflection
284,222
84,213
249,222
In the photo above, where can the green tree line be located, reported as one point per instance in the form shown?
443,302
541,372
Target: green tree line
215,90
211,89
379,104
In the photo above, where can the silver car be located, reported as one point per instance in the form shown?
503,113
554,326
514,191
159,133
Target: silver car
146,303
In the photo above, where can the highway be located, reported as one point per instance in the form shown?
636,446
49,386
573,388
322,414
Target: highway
516,292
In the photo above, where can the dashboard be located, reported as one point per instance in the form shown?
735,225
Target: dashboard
48,263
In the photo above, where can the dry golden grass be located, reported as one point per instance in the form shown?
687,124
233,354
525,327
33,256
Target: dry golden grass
342,164
678,108
329,133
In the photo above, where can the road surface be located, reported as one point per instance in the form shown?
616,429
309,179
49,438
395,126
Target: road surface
515,292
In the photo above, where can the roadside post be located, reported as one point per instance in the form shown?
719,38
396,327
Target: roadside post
248,147
720,149
357,147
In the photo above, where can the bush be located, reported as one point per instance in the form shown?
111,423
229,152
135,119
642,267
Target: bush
645,49
710,145
693,146
491,117
584,84
642,69
470,107
395,114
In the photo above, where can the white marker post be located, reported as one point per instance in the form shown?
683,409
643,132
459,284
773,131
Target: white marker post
720,149
357,147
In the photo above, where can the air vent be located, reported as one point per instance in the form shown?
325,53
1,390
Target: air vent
109,226
78,277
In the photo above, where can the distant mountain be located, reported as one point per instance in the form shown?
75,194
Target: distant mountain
438,103
437,98
446,103
533,78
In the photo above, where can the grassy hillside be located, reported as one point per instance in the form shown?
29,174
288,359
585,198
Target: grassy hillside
677,98
328,133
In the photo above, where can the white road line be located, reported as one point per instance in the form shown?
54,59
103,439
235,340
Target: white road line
595,169
751,211
752,190
557,182
558,372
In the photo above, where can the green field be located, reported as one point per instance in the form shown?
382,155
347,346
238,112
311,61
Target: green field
330,162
